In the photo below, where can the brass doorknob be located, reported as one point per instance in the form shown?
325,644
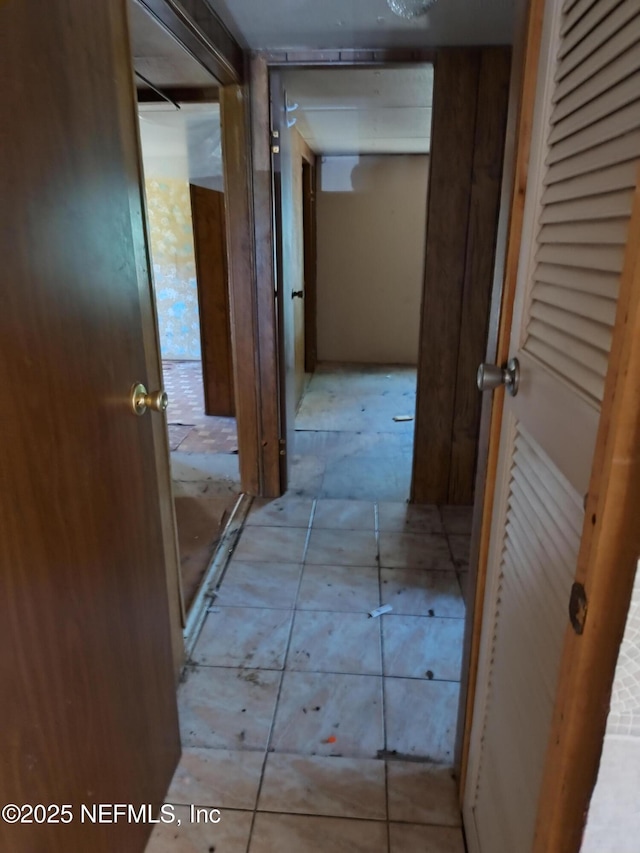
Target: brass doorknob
141,400
490,376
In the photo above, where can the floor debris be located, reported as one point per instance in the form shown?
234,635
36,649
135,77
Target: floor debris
379,611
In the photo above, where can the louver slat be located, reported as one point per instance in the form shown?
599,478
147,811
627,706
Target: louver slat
605,206
584,108
573,11
536,572
600,132
592,161
587,281
619,176
590,86
596,28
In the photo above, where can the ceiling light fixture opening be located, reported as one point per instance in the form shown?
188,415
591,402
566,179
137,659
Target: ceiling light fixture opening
410,9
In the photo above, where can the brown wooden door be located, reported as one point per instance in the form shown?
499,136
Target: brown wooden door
87,703
207,209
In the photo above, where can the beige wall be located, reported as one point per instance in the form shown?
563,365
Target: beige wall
371,233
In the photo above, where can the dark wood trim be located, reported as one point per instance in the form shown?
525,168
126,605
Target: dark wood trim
179,95
234,109
467,152
266,319
607,565
477,290
202,34
329,58
247,168
519,127
448,203
310,225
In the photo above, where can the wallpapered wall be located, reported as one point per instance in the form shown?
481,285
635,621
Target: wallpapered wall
174,269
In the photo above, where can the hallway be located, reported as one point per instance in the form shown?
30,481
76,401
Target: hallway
309,724
347,443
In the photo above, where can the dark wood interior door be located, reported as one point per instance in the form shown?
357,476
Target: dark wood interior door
88,704
207,209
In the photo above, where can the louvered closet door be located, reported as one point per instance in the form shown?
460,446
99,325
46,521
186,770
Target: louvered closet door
583,171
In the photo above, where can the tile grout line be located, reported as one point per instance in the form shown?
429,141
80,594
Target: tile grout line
398,613
326,816
376,510
293,610
325,672
453,562
282,674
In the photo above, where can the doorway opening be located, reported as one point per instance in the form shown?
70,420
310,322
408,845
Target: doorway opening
341,614
354,184
182,160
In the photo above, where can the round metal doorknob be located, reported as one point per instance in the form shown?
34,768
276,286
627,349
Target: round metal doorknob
141,400
490,376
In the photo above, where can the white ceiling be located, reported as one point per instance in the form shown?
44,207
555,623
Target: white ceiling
363,111
365,23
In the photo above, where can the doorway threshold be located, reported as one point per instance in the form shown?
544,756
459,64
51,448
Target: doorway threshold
206,593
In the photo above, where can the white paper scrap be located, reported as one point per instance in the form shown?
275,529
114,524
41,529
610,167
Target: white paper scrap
386,608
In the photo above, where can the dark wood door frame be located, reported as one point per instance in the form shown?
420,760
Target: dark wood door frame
249,208
247,176
464,198
474,266
309,219
247,171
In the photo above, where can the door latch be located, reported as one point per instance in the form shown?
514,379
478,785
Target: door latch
297,294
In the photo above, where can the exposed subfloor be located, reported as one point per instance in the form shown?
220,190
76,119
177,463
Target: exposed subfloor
190,429
310,725
347,443
205,473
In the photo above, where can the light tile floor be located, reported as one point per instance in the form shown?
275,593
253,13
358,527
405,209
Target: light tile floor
347,444
311,726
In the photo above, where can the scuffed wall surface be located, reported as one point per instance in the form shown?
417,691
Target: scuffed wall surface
174,271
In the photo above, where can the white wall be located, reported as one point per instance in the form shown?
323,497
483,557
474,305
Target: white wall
613,822
371,214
